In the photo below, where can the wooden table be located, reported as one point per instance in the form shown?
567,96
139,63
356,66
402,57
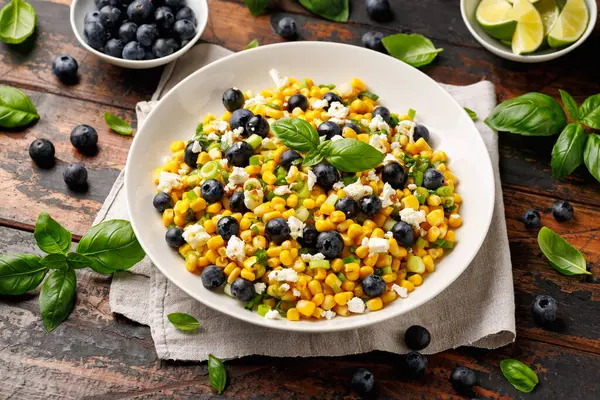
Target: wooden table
100,355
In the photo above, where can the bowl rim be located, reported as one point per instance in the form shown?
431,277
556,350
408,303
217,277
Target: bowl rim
311,327
140,63
530,58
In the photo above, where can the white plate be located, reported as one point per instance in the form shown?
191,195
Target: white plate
399,86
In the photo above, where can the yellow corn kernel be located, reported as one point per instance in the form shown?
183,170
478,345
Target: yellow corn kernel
348,285
342,298
289,213
323,225
410,201
342,311
366,271
278,200
378,233
318,299
454,221
319,274
214,208
234,275
221,261
274,251
306,307
434,200
203,262
337,265
408,285
168,216
263,209
299,265
249,262
179,220
177,145
309,204
271,215
352,271
457,198
388,297
438,155
343,225
347,241
274,262
450,236
390,278
371,260
183,250
435,217
292,201
333,281
191,261
245,224
315,287
375,304
416,279
253,169
248,274
433,234
384,260
215,242
293,314
320,200
269,178
395,249
328,302
286,258
198,205
380,219
361,252
229,268
327,208
354,231
181,207
429,264
203,158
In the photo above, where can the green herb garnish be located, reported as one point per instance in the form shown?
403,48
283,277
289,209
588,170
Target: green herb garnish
17,22
519,375
183,322
16,110
217,373
413,49
117,124
563,257
252,45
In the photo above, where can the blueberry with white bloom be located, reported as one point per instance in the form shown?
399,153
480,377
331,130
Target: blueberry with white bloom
243,289
329,130
372,40
363,381
415,364
65,68
213,277
212,191
330,244
404,234
433,179
133,51
228,227
147,34
395,175
127,31
94,34
186,13
185,29
287,28
42,152
110,16
562,211
373,285
114,48
233,99
309,237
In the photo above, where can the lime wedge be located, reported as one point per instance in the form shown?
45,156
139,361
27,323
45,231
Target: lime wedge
529,34
496,18
570,25
549,11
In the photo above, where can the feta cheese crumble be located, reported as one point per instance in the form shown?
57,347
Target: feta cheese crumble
272,314
296,227
284,287
372,176
338,185
389,234
195,235
280,81
235,249
345,89
257,100
282,190
378,141
168,181
310,257
395,145
312,179
388,196
296,292
197,147
378,124
184,170
320,104
400,291
389,159
413,217
219,125
378,245
212,136
357,190
223,162
356,305
407,128
337,110
286,274
268,144
411,186
328,314
238,176
259,287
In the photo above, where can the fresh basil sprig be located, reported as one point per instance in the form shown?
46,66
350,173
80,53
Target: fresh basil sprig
348,155
567,153
519,375
590,112
50,236
570,105
117,124
183,321
413,49
17,22
334,10
591,155
20,273
57,297
16,110
563,257
217,373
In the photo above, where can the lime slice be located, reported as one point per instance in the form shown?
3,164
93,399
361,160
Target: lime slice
529,34
549,11
496,18
570,25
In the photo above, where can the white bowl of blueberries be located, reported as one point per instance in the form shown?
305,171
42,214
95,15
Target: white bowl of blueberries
138,34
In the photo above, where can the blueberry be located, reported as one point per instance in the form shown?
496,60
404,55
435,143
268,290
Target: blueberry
75,176
239,118
395,175
309,237
384,113
421,131
277,230
562,211
348,206
326,175
140,11
65,68
372,40
114,48
432,179
544,309
164,47
236,203
330,244
363,381
41,152
289,158
174,237
297,101
257,125
189,156
127,31
370,205
404,234
415,364
213,277
148,54
228,227
84,138
174,4
239,153
287,28
463,379
184,43
164,19
329,130
212,190
186,13
354,127
332,98
185,29
417,337
373,285
133,51
147,34
233,99
101,3
379,10
91,17
531,219
242,289
94,35
162,201
110,16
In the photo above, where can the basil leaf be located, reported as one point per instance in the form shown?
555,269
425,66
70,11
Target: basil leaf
111,246
50,236
16,110
567,153
57,297
519,375
312,157
351,155
78,261
533,114
413,49
563,257
590,112
183,322
55,261
217,373
591,155
334,10
370,95
256,7
472,114
252,45
20,273
17,22
296,134
117,124
570,105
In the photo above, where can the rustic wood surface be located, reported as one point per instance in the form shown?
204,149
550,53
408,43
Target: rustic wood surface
96,354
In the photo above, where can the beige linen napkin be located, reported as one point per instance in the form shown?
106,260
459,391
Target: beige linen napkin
476,310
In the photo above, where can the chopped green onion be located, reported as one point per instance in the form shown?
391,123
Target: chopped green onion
211,170
332,199
200,128
444,191
415,264
301,190
191,195
263,309
341,276
254,229
349,260
270,195
273,106
255,160
213,145
252,184
418,175
443,244
261,255
422,194
370,95
302,213
389,224
394,121
254,141
412,113
331,86
318,264
252,45
422,243
386,270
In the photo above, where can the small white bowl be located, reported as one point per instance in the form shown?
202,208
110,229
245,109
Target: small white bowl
468,9
81,7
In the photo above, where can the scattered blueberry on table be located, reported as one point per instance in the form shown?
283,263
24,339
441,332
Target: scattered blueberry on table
562,211
42,152
531,219
417,337
379,10
415,364
544,309
75,176
65,68
372,40
287,28
84,138
363,381
463,379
